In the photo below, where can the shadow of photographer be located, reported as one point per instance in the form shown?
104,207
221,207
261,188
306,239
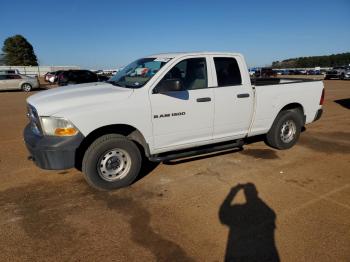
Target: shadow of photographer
251,227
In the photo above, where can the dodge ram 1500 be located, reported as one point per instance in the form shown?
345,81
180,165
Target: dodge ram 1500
163,107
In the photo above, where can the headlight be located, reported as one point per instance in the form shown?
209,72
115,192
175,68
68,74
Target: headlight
55,126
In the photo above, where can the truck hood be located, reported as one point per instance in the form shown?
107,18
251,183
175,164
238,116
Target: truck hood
52,101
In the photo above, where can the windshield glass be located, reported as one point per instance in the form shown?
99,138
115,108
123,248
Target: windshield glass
139,72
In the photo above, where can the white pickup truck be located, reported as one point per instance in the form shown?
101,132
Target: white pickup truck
163,107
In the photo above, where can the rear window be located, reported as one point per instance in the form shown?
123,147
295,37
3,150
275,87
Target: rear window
227,71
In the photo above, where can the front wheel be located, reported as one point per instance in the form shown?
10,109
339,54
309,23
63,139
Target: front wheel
285,130
111,161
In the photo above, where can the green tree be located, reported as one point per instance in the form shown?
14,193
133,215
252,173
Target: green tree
312,61
2,60
18,51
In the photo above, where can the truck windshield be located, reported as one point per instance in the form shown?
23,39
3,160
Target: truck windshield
139,72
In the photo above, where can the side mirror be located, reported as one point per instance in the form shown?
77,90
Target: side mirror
168,85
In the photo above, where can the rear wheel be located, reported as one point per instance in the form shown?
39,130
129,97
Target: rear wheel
26,87
111,161
285,130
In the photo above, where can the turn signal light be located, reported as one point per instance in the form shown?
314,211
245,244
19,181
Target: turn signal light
65,131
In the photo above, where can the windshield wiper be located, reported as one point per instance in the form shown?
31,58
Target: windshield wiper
116,83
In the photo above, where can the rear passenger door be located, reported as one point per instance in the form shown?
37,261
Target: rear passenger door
13,81
234,98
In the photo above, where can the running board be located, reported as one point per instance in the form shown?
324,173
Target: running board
199,151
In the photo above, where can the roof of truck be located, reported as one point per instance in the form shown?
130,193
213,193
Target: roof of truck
179,54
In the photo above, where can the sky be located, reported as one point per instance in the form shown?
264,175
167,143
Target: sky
109,34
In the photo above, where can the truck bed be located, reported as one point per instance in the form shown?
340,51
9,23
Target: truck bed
272,94
279,81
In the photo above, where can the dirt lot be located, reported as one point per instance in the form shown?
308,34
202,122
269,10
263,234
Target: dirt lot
296,205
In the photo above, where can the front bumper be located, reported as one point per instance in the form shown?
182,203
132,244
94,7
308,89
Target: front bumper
50,152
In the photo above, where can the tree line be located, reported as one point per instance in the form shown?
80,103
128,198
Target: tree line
313,61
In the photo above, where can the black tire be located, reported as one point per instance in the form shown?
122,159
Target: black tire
274,136
26,87
94,153
342,77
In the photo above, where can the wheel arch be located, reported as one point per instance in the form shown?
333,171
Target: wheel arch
290,106
270,138
126,130
294,106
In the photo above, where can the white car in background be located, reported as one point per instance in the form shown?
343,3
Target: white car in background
17,81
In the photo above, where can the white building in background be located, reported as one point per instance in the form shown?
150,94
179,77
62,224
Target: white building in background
37,70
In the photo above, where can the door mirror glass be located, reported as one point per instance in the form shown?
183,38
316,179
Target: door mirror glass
169,85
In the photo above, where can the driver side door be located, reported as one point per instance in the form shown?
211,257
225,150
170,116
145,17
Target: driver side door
184,118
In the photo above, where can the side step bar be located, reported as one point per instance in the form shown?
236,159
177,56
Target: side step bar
198,151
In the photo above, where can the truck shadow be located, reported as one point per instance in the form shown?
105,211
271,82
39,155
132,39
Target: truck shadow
146,168
343,102
251,226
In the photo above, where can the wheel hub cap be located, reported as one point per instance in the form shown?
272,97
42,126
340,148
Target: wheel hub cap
114,164
288,131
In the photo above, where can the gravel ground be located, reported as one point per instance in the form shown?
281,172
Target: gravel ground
258,203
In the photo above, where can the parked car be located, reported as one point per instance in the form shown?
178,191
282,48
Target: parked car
194,103
9,71
278,71
347,75
336,73
103,78
313,72
52,77
17,81
48,75
265,72
70,77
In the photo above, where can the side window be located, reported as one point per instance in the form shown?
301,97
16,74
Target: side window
191,72
13,77
227,71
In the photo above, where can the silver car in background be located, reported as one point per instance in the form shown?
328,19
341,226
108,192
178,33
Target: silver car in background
18,81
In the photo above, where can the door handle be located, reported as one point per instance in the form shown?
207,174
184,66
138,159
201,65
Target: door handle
242,95
204,99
